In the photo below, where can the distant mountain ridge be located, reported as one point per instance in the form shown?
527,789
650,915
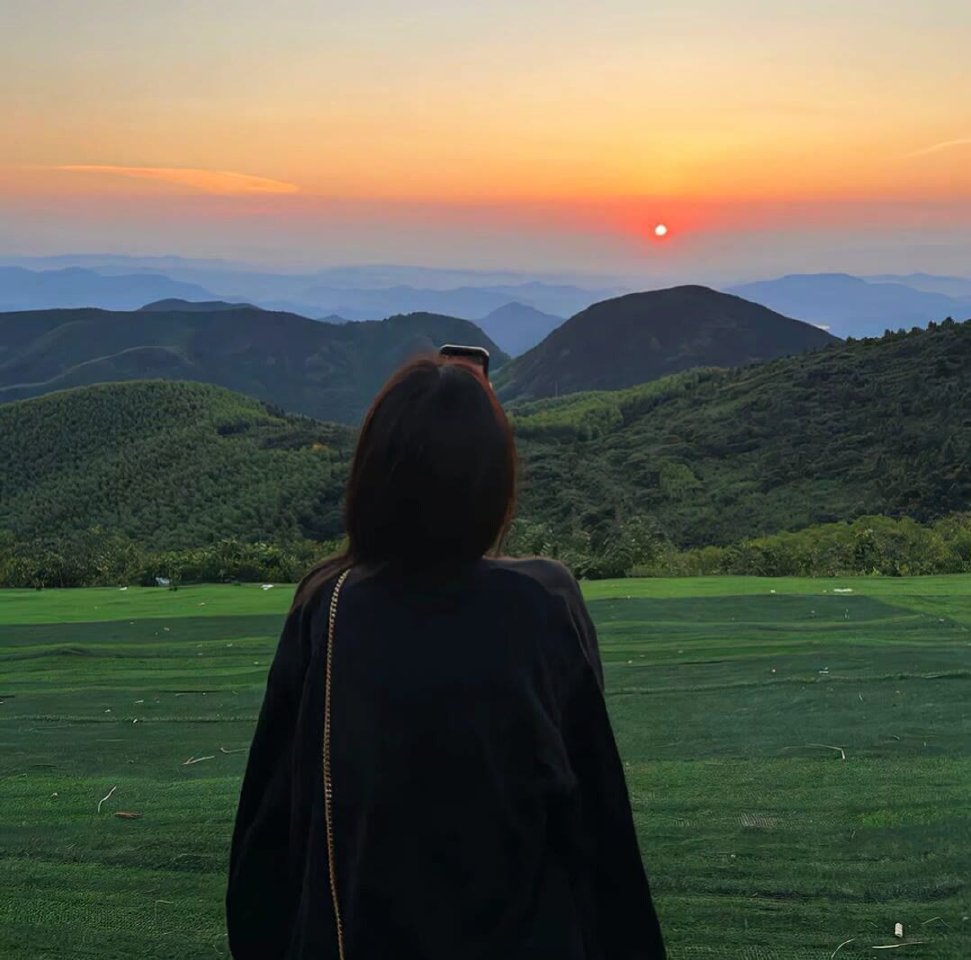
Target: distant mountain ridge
930,282
176,305
642,336
22,289
850,306
325,370
366,292
517,327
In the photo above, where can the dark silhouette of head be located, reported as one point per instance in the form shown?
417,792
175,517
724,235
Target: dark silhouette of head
432,483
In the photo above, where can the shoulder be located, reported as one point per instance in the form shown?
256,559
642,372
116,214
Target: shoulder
539,573
565,609
545,571
314,592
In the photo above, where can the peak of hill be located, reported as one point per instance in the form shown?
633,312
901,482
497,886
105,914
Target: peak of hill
517,326
850,306
642,336
175,305
325,370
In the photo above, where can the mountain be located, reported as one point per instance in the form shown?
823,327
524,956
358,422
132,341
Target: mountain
932,283
362,292
850,307
320,369
516,327
168,465
642,336
467,301
173,304
22,289
705,456
714,456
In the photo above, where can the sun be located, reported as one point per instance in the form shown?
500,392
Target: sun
661,230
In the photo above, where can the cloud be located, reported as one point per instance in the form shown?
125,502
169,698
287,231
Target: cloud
938,147
204,181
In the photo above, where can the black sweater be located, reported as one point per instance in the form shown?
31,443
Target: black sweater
480,806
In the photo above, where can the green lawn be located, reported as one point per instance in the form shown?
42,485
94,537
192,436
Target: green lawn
732,700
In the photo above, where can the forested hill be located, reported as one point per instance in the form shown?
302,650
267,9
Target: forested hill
642,336
167,465
707,456
865,427
324,370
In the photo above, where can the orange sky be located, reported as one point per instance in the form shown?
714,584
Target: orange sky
716,116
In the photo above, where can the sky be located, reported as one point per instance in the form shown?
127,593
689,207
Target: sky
767,135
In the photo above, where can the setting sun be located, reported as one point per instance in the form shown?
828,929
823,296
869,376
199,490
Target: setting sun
661,230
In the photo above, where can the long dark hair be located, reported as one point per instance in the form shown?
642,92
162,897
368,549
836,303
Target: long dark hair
433,481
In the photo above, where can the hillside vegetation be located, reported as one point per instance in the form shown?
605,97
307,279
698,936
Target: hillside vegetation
611,481
167,465
642,336
710,457
323,370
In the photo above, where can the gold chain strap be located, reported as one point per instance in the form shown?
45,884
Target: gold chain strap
328,782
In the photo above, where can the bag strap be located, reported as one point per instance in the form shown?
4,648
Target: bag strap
328,780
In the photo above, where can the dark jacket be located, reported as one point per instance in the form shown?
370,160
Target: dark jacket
480,806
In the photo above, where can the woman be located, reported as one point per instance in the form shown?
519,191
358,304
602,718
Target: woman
475,804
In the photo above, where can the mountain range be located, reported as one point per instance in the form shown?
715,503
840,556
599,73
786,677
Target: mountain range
932,283
331,370
843,304
354,293
325,370
22,289
707,456
852,307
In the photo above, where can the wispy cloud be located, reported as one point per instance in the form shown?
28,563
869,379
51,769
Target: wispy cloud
939,147
204,181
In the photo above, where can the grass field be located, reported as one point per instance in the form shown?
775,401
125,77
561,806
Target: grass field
799,761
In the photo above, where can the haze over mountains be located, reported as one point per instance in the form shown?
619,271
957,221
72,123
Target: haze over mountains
852,307
516,327
354,293
846,305
22,289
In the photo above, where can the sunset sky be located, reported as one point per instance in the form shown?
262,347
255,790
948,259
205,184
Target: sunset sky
768,135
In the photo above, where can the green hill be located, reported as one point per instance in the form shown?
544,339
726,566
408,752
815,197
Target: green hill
168,465
323,370
712,456
642,336
703,457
